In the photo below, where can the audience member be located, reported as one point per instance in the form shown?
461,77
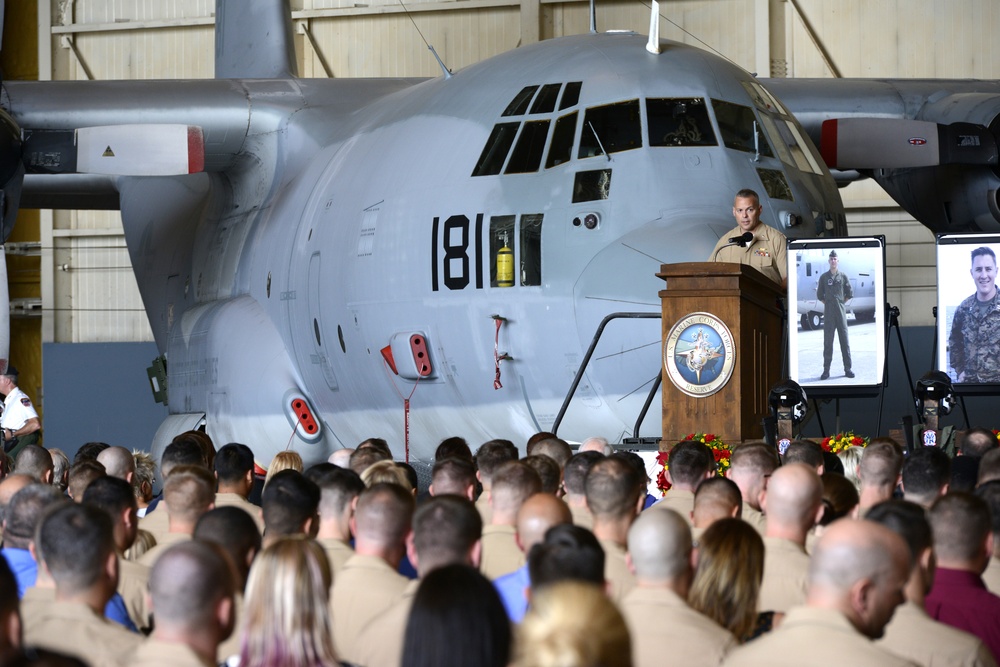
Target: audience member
21,518
750,467
573,623
574,476
234,466
636,462
194,618
851,460
455,476
726,585
283,460
807,452
339,490
386,472
614,495
490,456
81,474
188,492
990,493
538,513
556,449
989,467
10,485
145,477
368,584
535,439
840,498
568,553
76,545
60,468
976,442
964,473
411,477
548,472
379,445
363,457
596,444
342,457
35,462
118,462
925,477
456,620
855,582
689,464
184,450
89,451
963,541
656,610
513,483
290,506
879,472
453,448
911,633
715,498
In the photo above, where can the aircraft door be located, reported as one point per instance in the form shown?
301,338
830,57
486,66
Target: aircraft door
319,340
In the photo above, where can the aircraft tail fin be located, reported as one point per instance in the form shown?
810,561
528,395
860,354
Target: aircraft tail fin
253,40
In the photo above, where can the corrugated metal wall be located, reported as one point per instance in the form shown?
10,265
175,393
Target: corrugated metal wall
90,296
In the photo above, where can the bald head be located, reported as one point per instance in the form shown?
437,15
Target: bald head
342,457
794,497
660,546
539,513
118,462
36,462
206,578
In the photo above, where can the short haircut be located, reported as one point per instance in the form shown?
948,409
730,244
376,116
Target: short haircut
288,500
233,530
75,541
964,473
117,461
513,483
978,441
453,448
804,451
338,487
25,510
187,581
492,454
747,193
383,514
633,460
453,475
364,457
204,443
717,497
411,474
689,462
33,461
568,552
755,457
60,466
556,449
378,444
535,439
576,471
906,519
181,452
81,474
983,251
111,494
840,496
960,523
925,472
990,493
89,451
989,467
880,464
547,469
660,545
613,488
386,472
233,462
188,492
445,528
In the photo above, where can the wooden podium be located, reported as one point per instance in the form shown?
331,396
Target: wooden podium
716,379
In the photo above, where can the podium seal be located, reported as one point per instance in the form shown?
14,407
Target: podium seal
699,354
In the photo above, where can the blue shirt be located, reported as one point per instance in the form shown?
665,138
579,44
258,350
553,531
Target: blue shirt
116,612
511,589
23,566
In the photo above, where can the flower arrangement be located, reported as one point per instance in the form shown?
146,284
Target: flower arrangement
842,441
723,455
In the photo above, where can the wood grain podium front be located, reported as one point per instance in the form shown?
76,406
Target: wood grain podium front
722,333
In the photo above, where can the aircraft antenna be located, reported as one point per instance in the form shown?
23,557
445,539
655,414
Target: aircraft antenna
444,70
593,17
708,46
653,45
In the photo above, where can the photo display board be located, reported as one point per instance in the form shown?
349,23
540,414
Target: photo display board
968,312
837,317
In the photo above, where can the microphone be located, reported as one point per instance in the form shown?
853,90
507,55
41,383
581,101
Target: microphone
743,240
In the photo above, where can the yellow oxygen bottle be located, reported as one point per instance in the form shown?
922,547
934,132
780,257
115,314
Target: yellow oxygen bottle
505,266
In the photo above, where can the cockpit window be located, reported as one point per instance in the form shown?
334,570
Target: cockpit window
737,124
611,129
775,184
519,104
496,149
562,141
571,95
527,155
763,98
679,122
546,100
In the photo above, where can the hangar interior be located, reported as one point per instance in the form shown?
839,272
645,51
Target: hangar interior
70,271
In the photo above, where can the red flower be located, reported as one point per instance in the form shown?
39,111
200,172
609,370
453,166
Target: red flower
662,483
719,454
709,437
662,458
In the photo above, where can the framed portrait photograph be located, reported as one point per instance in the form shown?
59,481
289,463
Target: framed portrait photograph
968,311
836,315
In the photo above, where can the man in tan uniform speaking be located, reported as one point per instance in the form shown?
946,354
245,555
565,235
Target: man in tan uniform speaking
763,249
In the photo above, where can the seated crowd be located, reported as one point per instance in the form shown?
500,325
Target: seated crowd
552,559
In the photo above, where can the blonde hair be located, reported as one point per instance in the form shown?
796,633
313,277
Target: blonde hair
726,584
386,472
287,607
283,461
851,458
144,541
573,624
145,477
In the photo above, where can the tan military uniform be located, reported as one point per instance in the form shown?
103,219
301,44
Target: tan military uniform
483,505
35,604
680,501
767,253
582,517
914,635
236,500
338,553
616,571
157,522
811,637
133,584
666,631
786,574
992,576
381,643
501,554
73,628
365,589
157,653
149,558
755,518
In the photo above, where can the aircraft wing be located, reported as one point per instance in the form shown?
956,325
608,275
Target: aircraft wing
932,144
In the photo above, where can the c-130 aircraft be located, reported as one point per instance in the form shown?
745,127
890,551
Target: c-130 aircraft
315,254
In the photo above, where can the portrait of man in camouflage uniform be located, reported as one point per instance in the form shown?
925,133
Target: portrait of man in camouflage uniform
834,290
974,343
